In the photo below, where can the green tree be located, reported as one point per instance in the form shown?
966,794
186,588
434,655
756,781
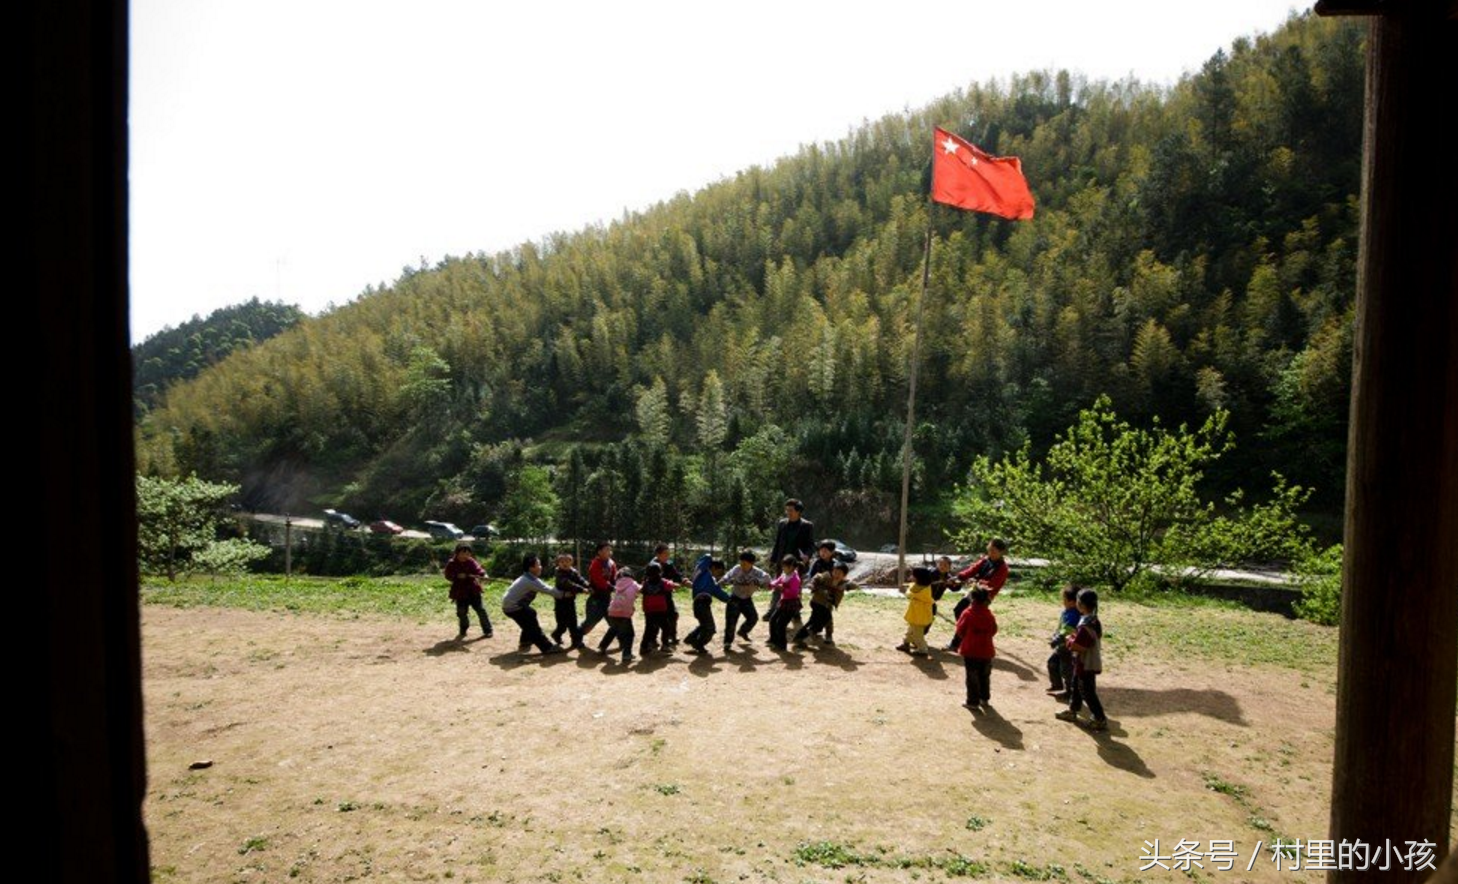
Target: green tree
529,510
177,528
655,420
1118,505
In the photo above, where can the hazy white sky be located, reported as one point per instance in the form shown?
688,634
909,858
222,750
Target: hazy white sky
302,150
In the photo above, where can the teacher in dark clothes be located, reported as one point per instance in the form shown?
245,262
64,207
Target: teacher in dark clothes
794,536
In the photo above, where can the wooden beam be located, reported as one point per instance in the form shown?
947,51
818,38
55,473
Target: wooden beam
91,775
1398,649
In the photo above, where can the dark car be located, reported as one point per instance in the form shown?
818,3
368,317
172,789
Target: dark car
385,526
843,552
335,517
481,532
444,531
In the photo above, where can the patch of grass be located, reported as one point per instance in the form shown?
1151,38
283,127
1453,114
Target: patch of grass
656,746
834,855
1029,872
346,806
257,842
667,788
830,855
960,866
977,823
698,876
421,597
1215,784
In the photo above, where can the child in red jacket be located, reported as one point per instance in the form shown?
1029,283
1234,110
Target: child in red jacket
975,629
465,573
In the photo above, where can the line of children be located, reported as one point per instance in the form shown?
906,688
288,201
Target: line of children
1073,667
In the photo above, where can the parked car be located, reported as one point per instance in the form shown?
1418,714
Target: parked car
843,552
385,526
481,532
335,517
444,531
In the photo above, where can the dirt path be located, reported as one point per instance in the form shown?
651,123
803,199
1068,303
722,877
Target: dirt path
347,749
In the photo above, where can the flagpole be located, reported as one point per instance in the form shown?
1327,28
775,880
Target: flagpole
911,398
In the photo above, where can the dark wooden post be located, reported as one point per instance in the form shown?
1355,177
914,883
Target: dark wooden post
91,772
1393,773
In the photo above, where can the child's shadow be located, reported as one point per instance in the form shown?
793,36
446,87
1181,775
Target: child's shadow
930,666
791,659
1015,665
743,659
652,662
1116,754
835,657
451,646
703,665
990,723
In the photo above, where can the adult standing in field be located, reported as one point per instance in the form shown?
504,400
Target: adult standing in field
989,573
794,536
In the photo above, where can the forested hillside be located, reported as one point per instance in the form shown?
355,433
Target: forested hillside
1193,249
177,354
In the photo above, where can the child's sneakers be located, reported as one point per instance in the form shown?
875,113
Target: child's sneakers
1099,724
904,648
1067,715
485,633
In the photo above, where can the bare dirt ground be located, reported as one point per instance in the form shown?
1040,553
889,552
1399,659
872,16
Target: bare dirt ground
370,748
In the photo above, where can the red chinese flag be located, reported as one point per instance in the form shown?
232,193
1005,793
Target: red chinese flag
965,176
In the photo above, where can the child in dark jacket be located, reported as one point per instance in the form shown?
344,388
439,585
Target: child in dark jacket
975,629
657,596
673,575
942,581
826,590
571,584
708,572
1060,662
1088,661
465,573
823,562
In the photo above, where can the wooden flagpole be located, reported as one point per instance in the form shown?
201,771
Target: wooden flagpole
911,398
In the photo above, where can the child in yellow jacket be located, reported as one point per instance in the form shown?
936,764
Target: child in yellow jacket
918,611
